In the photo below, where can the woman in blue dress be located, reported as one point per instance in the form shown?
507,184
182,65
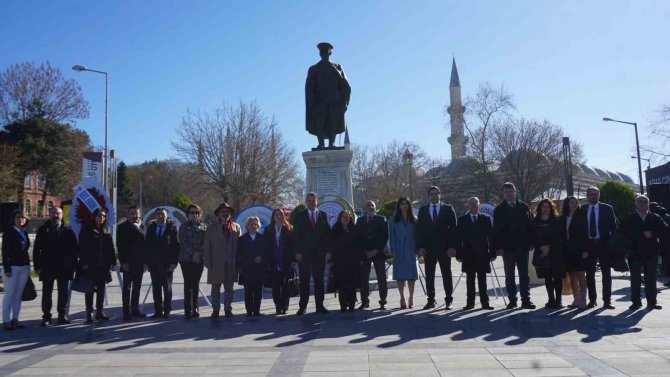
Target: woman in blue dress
404,250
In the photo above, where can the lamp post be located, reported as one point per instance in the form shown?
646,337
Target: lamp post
81,68
408,158
644,159
637,144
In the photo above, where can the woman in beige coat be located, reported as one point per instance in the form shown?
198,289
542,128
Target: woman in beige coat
220,249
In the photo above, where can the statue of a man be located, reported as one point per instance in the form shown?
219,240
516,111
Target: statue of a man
327,93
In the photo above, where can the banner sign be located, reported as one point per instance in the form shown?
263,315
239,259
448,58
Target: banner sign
92,166
332,205
263,212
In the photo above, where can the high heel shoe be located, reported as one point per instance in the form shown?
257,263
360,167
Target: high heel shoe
410,303
402,303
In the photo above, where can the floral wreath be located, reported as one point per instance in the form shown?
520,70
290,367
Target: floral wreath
83,215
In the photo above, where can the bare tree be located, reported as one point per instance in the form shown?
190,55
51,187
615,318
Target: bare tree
529,153
26,89
488,109
242,153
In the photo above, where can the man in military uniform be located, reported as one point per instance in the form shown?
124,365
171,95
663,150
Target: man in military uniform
327,93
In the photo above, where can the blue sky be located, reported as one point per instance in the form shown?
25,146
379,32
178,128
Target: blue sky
571,62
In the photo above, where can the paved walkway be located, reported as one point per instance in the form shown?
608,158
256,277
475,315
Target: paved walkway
369,343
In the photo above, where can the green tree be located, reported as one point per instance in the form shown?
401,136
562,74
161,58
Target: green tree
126,195
387,209
51,148
181,201
620,196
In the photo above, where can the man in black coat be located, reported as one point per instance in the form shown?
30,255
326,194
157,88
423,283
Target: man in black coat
645,230
132,249
436,240
311,233
374,230
163,252
475,252
601,222
512,238
55,257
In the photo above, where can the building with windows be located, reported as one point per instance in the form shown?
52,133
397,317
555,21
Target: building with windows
33,190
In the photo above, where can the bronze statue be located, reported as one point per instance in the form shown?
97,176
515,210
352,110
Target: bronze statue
327,93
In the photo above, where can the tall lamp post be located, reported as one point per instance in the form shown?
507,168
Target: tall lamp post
408,159
637,144
644,159
81,68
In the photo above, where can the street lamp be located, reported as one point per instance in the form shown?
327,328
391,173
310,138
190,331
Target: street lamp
81,68
408,159
645,159
637,144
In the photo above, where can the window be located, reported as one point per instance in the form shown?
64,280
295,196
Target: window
28,181
28,207
40,181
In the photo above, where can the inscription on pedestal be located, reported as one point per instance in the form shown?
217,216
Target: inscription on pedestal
327,182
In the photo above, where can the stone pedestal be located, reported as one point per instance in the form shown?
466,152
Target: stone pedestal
329,173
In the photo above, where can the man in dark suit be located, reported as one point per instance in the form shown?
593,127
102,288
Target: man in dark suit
132,249
163,253
474,251
436,240
601,223
55,257
311,231
645,230
374,231
512,238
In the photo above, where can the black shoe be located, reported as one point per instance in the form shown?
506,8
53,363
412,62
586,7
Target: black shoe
429,305
195,314
382,306
558,305
527,305
166,314
17,325
469,307
448,306
89,317
258,314
127,317
215,315
138,314
608,305
228,314
592,304
283,311
322,310
512,305
654,307
278,311
352,309
487,307
101,316
156,315
46,322
301,311
635,306
364,306
63,320
548,305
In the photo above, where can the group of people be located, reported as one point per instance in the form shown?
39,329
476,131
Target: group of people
573,242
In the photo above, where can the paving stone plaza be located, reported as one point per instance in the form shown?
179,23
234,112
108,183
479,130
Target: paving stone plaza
410,342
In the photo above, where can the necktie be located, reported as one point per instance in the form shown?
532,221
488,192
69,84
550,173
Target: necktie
434,213
313,220
592,223
159,231
474,219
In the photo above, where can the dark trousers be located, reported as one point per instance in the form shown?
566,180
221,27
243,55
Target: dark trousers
347,298
47,292
192,273
516,260
314,270
252,298
431,260
380,271
99,290
481,282
130,294
554,285
597,254
280,290
161,287
650,266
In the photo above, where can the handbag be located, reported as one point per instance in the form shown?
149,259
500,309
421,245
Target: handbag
82,282
331,286
29,292
618,245
293,282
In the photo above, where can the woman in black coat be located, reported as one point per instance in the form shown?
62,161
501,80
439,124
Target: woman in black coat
347,256
96,258
16,269
573,223
252,264
278,237
548,257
